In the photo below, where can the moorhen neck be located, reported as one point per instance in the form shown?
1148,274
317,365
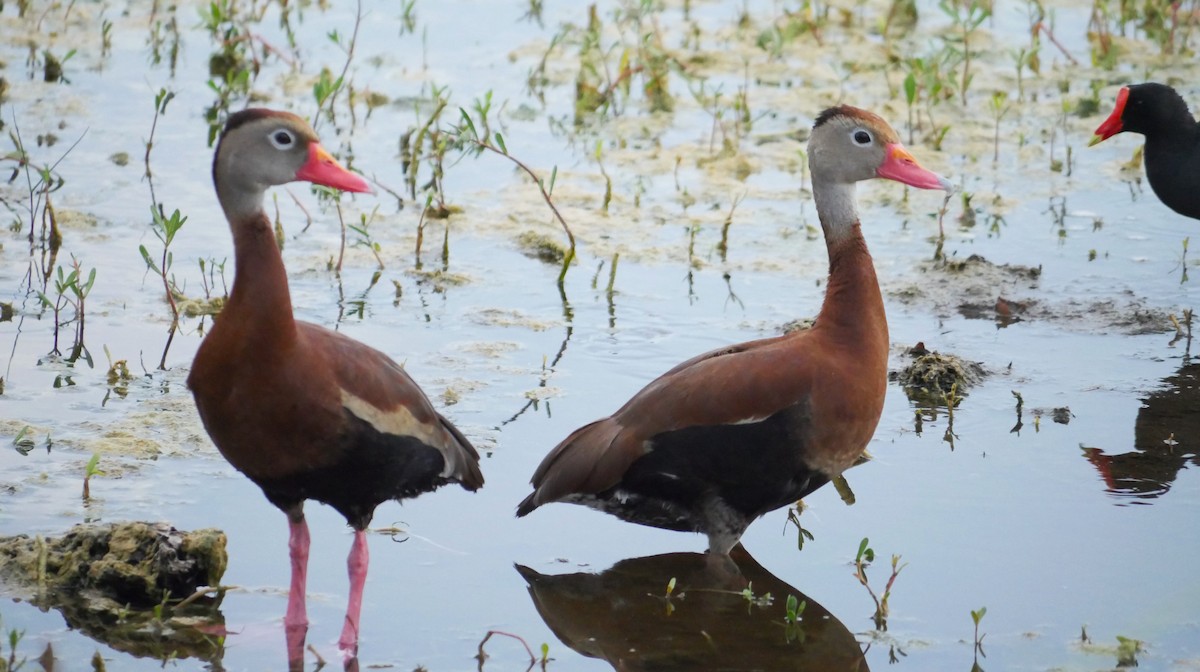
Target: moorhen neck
728,436
305,412
1172,155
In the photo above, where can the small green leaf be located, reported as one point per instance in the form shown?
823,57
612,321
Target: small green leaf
500,142
91,469
470,124
862,549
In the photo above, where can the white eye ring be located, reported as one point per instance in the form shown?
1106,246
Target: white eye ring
861,137
281,138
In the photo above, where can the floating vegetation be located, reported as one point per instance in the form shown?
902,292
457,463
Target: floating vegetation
144,588
541,247
931,378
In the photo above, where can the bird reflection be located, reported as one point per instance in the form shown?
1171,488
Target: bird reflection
1166,439
712,618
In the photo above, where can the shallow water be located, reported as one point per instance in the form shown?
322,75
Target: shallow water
1055,528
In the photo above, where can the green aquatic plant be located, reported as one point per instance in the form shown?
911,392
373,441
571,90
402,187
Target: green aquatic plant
607,71
723,244
23,442
92,469
793,612
233,66
164,38
794,609
52,66
808,19
729,119
753,600
365,239
966,19
161,100
999,107
40,182
977,616
327,88
532,13
863,560
210,269
70,291
11,662
165,228
118,377
106,27
608,188
793,518
1127,650
468,134
426,145
928,82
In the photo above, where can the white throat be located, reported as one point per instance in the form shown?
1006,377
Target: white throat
837,207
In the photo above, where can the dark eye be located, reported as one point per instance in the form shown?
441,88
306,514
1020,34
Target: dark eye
282,138
862,137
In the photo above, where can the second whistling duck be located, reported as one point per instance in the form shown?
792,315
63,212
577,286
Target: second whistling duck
1172,155
725,437
305,412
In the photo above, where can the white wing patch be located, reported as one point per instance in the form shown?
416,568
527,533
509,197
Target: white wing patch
399,421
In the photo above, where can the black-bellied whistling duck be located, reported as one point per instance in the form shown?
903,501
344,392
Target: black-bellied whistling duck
725,437
1172,155
306,412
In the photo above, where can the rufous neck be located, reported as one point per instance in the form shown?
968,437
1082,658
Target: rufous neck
260,289
852,298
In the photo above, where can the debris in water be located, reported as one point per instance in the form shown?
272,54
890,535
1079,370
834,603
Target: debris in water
118,582
932,377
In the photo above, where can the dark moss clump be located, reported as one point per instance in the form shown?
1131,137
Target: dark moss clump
122,583
933,379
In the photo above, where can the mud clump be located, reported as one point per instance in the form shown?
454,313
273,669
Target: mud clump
933,378
118,582
541,247
977,263
978,289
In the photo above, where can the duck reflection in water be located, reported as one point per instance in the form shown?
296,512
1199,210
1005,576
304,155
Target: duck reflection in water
1166,437
625,617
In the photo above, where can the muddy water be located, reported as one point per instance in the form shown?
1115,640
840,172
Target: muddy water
1058,521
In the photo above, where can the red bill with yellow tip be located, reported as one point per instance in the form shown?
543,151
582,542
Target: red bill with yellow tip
902,167
321,168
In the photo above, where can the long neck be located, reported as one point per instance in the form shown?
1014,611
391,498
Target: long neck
853,305
259,300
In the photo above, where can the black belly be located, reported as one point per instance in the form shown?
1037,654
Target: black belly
374,467
751,468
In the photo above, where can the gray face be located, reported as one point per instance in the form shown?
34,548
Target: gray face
260,150
846,149
262,153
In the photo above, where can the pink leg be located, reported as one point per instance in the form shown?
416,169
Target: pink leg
295,622
356,563
298,544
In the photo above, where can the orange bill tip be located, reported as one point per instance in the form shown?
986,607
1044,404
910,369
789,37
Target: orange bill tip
901,166
321,168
